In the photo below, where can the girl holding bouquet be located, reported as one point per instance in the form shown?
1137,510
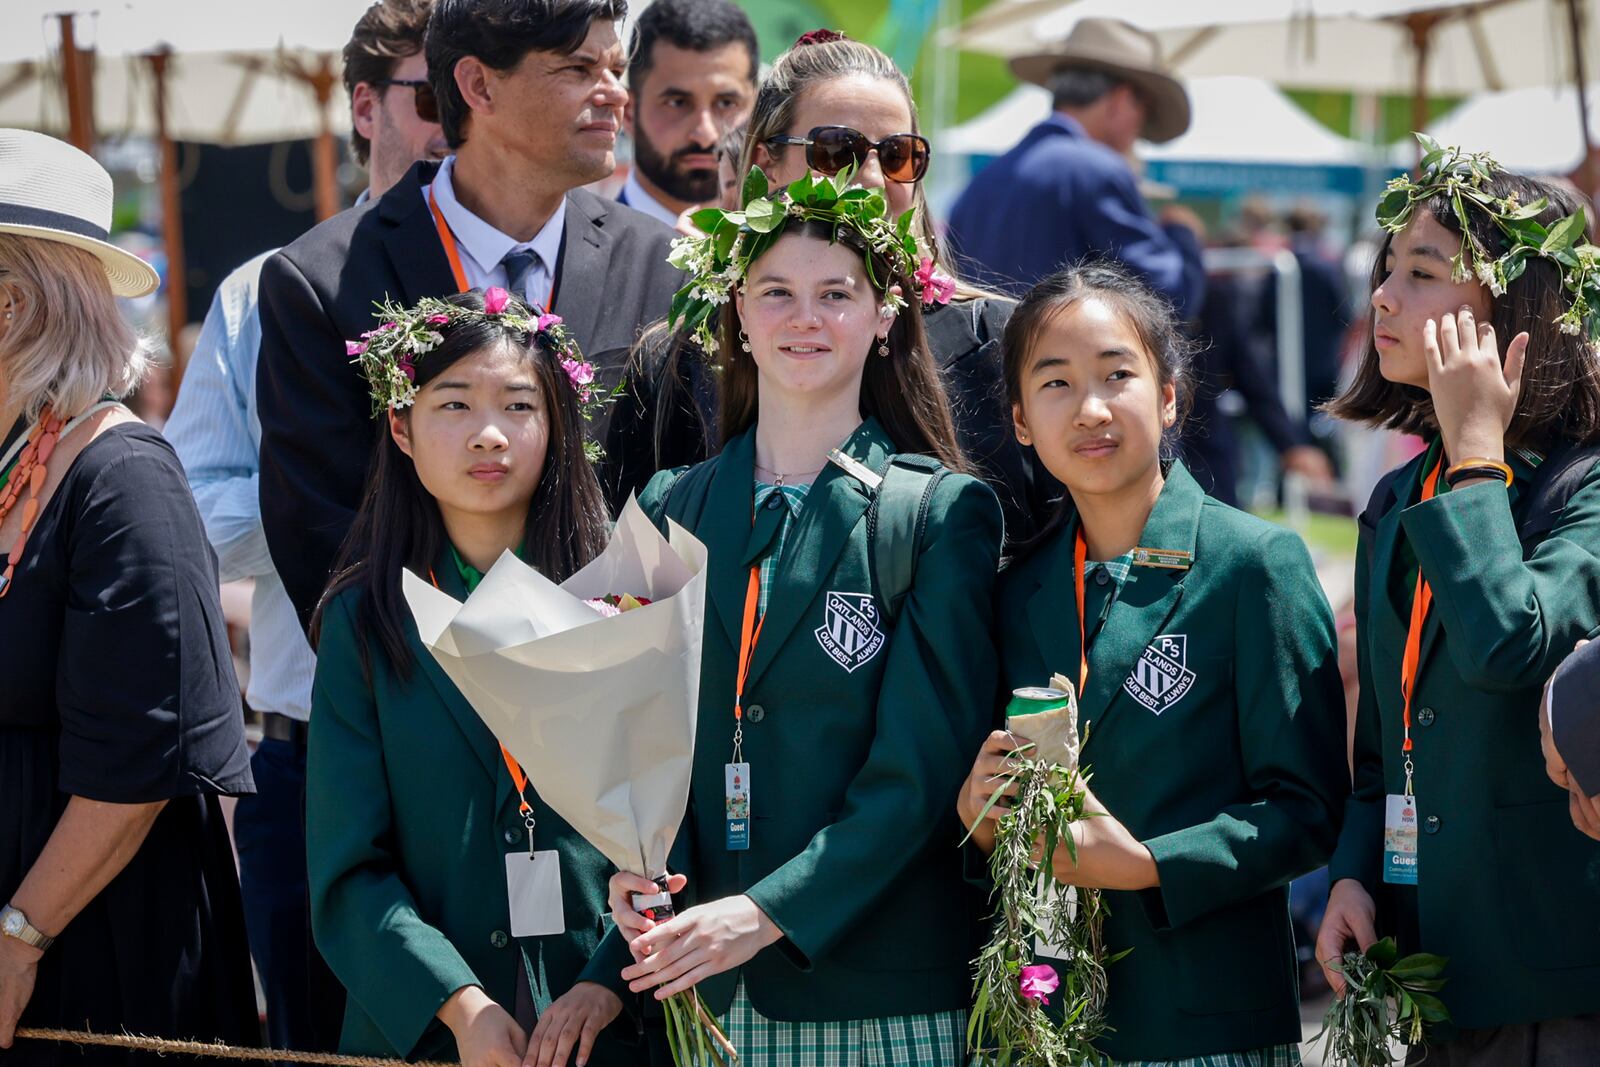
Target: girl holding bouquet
416,810
1478,569
845,667
1209,696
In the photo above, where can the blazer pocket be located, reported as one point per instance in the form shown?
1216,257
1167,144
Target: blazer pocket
1549,878
1239,960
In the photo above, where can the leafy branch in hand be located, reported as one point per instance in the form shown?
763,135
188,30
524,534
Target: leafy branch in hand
1387,999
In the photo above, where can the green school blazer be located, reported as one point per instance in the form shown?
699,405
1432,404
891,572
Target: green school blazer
412,813
1507,888
1224,754
856,749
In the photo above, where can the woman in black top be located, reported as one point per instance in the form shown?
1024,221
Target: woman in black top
120,722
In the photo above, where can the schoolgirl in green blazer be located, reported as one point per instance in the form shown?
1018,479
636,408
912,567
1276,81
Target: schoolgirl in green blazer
1213,710
1486,868
413,811
834,921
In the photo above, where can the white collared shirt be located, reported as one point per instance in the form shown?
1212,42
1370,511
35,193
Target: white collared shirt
633,195
482,246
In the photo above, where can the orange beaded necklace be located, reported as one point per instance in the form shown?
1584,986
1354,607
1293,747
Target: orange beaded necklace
30,472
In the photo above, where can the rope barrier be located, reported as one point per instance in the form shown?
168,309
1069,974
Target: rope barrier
215,1049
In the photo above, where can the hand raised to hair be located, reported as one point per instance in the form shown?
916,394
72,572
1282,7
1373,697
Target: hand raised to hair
1474,394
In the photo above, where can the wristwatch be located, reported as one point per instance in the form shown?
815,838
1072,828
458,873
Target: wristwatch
15,924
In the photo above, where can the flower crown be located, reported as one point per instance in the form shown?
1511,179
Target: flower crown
387,354
718,261
1462,177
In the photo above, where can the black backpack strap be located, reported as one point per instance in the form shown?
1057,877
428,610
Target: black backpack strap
896,521
1556,479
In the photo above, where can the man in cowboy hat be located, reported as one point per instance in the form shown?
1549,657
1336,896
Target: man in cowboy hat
1068,186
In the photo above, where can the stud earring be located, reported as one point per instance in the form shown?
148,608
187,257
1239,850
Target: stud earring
744,340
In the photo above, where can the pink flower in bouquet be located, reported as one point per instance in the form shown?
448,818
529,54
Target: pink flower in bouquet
615,604
354,348
604,607
546,321
936,288
495,300
1039,981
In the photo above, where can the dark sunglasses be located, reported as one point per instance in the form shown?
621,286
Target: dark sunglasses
829,149
427,104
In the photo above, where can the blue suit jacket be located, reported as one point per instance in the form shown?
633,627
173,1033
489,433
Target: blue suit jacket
1058,197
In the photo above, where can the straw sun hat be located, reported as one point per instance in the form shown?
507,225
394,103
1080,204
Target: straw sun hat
1126,52
52,191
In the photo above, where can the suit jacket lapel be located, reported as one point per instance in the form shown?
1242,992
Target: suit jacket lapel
411,240
1145,603
832,508
725,529
581,270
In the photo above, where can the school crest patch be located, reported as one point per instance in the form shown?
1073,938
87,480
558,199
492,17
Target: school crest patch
1161,677
850,632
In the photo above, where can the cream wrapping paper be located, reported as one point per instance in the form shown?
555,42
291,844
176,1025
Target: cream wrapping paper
599,711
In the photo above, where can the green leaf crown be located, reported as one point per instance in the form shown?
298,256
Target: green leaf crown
1463,178
718,261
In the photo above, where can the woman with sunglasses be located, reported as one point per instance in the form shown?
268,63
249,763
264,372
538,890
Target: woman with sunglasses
830,102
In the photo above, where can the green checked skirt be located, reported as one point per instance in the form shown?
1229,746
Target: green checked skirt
936,1040
1273,1056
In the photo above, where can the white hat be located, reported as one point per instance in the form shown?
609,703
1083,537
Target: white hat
1123,51
52,191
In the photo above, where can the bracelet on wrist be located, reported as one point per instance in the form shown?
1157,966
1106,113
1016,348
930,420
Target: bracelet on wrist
1477,467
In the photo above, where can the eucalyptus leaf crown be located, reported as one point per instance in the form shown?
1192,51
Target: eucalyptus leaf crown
719,260
1462,178
387,353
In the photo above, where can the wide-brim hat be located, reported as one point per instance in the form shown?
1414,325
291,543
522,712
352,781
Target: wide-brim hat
1125,52
52,191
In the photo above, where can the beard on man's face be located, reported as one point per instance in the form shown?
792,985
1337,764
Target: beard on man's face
667,172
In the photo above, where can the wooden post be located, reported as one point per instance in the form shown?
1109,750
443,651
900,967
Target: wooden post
325,150
1421,25
171,207
1586,168
75,68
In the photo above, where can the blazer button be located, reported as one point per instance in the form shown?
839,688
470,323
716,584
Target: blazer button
1101,576
513,835
775,501
499,939
756,713
1425,716
1431,824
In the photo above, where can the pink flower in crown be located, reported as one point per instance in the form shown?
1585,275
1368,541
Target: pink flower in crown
408,370
580,374
380,329
438,320
1039,981
495,300
936,288
546,321
354,348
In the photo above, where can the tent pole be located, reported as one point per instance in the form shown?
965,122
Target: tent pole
325,151
1586,168
171,210
1421,25
75,75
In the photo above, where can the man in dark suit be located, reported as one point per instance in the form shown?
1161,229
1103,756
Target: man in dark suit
1569,729
530,98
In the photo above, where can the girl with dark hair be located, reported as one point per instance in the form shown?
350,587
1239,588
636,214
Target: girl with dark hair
1199,639
847,657
416,808
1477,570
829,103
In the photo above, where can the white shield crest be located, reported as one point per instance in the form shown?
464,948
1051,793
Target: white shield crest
1161,676
850,632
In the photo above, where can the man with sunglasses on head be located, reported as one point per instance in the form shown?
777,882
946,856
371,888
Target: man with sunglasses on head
530,98
216,434
691,77
1066,192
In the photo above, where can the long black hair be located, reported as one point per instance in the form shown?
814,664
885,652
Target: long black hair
399,525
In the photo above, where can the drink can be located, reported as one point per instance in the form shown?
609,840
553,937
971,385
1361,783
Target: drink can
1035,699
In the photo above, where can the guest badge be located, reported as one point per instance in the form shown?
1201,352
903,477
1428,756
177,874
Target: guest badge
736,798
1400,840
533,886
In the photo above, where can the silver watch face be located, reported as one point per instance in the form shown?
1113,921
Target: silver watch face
14,923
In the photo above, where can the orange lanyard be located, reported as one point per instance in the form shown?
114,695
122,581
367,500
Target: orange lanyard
1080,555
1421,601
453,254
518,777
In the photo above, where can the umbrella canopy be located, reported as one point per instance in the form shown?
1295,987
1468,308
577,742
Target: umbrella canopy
1349,45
